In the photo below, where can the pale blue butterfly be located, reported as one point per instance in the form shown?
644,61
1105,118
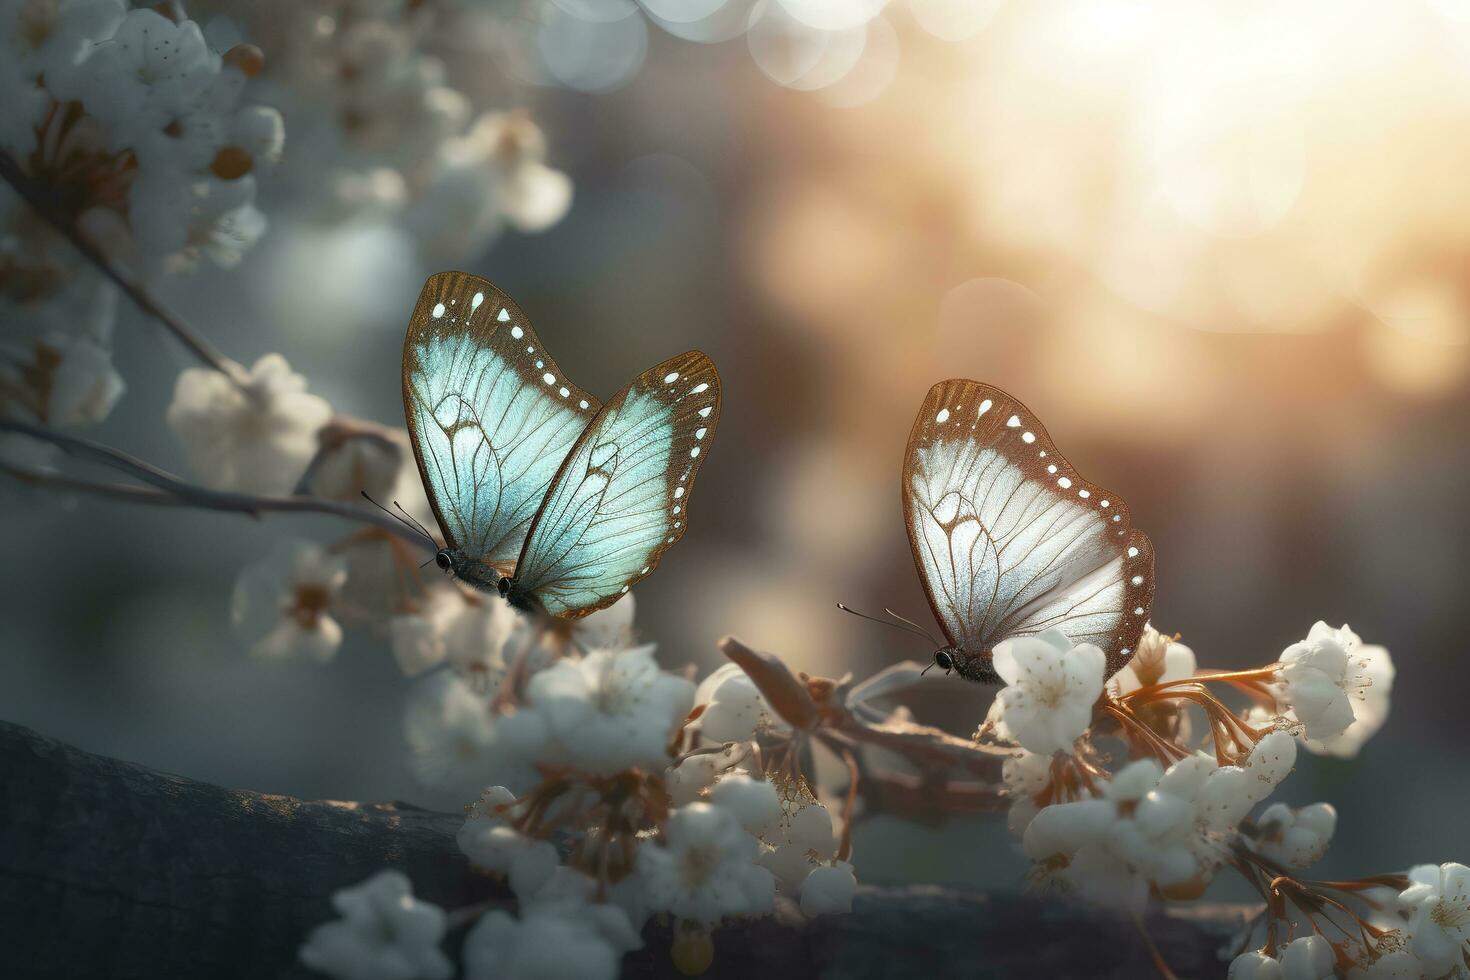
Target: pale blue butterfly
543,494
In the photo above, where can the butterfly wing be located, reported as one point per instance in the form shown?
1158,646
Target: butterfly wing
489,413
1009,540
621,498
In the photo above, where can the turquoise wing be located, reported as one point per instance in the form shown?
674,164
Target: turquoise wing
489,413
621,498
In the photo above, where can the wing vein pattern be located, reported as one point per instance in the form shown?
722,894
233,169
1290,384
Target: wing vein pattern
621,498
1009,540
489,413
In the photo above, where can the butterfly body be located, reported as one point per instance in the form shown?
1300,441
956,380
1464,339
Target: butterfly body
971,666
1009,540
545,496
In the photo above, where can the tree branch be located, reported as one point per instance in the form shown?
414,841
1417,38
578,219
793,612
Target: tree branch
49,209
173,491
109,869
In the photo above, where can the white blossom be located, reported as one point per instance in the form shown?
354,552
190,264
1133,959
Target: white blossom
283,604
1099,876
494,846
1270,761
1157,660
56,351
1296,838
166,153
706,868
1308,958
46,38
1024,775
546,945
1375,670
384,934
1438,899
257,437
1051,687
1254,965
828,890
609,711
754,802
455,742
734,709
1322,676
800,841
492,175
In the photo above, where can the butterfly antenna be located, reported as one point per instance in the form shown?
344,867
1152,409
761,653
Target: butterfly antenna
917,626
414,527
914,628
422,530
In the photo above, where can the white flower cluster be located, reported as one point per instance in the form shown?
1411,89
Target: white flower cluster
384,934
582,729
135,121
356,81
255,432
283,606
1150,827
1337,689
1164,823
56,364
1423,934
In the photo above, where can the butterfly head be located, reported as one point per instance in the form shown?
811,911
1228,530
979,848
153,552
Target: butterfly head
444,560
975,667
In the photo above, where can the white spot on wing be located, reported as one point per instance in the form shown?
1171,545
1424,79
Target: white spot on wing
516,332
438,310
475,303
548,377
943,416
702,386
504,316
671,377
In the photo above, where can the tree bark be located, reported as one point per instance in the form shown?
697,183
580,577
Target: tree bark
109,869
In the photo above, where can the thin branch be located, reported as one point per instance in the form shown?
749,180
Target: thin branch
173,491
49,208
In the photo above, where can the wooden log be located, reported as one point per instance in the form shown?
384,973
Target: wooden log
110,869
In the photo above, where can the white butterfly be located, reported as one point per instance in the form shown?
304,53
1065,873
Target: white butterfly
1009,540
543,494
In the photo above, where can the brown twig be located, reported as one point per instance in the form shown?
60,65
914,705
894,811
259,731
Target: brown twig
170,490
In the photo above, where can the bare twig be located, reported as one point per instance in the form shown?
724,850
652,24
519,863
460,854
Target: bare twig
170,490
45,204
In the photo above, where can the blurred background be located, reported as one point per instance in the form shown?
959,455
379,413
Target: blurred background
1221,249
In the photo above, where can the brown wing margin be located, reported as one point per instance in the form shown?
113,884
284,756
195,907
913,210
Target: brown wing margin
998,420
690,385
455,292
